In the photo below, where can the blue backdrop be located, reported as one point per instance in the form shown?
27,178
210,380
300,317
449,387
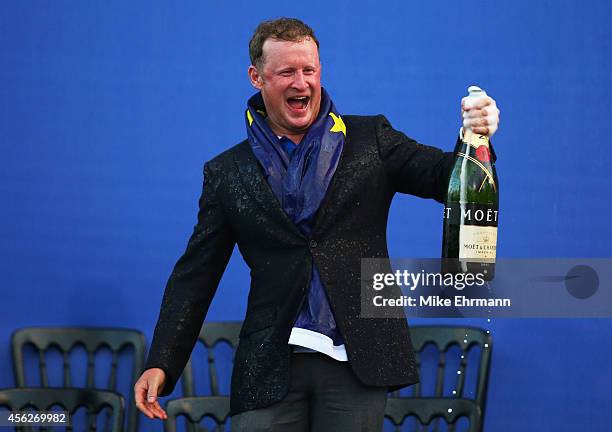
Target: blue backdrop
109,110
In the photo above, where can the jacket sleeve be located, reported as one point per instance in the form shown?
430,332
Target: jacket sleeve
192,285
413,168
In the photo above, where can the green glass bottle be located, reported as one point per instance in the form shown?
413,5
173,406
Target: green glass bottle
469,241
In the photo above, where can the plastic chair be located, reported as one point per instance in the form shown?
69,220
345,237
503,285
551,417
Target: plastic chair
426,410
211,334
195,409
92,339
70,399
465,338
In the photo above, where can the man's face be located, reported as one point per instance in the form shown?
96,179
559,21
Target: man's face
290,83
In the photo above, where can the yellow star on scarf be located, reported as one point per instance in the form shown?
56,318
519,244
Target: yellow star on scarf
250,117
339,125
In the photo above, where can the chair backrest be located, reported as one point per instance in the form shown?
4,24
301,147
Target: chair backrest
429,410
195,409
211,334
65,339
70,399
465,338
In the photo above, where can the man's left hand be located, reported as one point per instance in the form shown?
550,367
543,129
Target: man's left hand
481,115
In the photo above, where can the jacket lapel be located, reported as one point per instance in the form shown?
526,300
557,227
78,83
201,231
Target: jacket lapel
252,177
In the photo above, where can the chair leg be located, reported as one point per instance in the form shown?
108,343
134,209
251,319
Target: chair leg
91,422
191,426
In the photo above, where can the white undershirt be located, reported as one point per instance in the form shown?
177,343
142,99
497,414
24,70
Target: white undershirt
317,342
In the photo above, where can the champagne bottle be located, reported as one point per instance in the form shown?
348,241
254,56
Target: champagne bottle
471,207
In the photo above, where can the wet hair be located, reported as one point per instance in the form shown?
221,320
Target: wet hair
284,29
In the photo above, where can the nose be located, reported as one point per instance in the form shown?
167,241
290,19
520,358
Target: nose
299,82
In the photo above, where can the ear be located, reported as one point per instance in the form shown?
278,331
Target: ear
255,77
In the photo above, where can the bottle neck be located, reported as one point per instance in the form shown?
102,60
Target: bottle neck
474,146
475,140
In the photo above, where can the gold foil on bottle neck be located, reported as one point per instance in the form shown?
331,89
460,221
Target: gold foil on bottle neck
475,140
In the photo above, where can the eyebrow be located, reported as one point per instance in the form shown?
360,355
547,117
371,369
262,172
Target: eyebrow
292,68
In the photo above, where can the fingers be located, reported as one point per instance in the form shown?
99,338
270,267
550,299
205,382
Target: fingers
158,411
482,131
482,126
468,103
481,115
152,402
469,122
145,395
475,112
140,393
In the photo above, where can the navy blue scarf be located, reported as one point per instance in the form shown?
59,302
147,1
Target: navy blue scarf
299,176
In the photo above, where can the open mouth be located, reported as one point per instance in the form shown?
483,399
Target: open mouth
298,102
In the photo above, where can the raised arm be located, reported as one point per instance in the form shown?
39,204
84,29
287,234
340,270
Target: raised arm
413,168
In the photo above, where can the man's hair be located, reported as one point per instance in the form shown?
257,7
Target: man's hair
284,29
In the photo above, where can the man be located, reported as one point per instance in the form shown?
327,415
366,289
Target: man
305,197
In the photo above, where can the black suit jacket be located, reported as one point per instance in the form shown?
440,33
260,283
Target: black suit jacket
238,207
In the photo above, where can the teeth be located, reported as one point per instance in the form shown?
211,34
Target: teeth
302,99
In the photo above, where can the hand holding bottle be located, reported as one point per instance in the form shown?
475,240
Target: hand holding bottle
469,240
480,112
